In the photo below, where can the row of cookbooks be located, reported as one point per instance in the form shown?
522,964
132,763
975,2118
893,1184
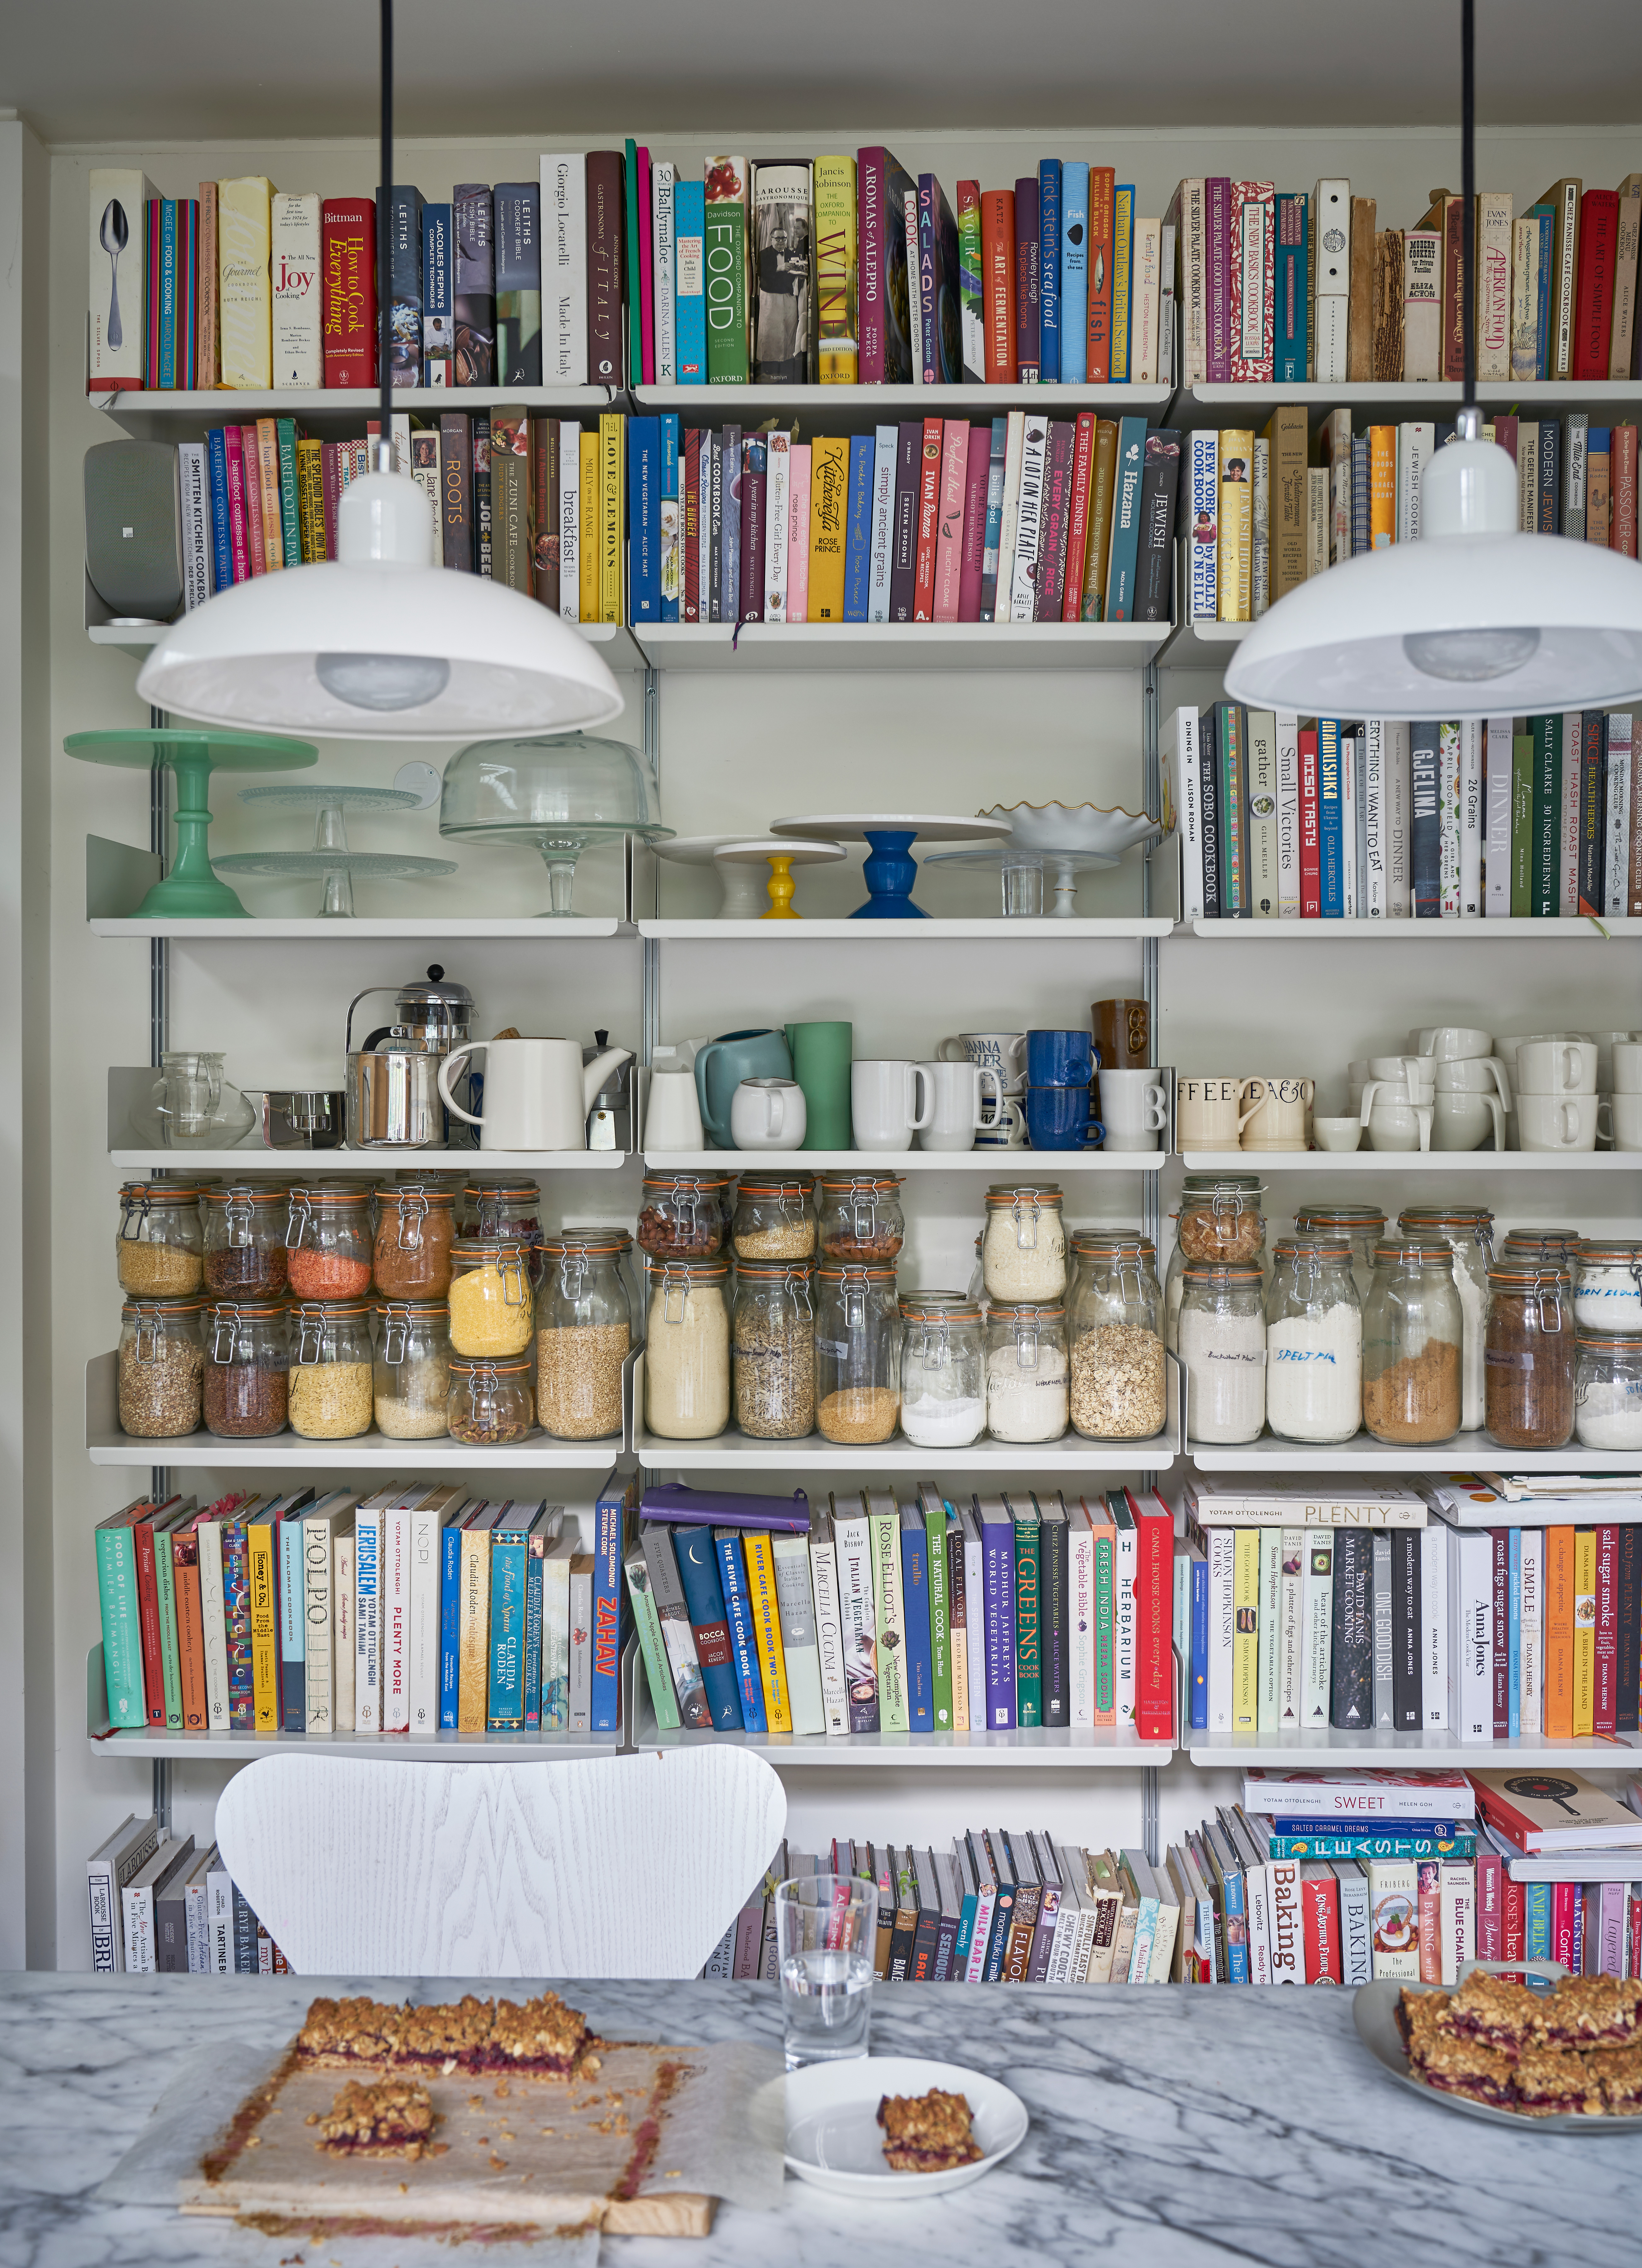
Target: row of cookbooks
1431,1609
1265,509
1294,818
769,1615
413,1610
158,1904
616,267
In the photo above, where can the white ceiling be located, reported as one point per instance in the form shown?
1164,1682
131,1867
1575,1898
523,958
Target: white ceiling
107,70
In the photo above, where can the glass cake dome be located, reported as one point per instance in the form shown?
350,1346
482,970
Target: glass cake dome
558,791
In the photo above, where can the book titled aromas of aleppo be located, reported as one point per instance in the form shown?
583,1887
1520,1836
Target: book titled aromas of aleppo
1360,1794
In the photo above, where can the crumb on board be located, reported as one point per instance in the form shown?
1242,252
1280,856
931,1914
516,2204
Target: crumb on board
499,2163
404,2188
475,2102
674,2174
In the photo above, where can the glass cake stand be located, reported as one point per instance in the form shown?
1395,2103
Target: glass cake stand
191,889
330,857
1021,893
560,793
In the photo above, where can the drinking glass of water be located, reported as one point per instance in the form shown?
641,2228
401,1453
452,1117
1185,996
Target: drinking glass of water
825,1929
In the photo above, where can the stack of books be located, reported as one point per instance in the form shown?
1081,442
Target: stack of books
415,1609
1288,818
1364,1610
158,1904
754,1615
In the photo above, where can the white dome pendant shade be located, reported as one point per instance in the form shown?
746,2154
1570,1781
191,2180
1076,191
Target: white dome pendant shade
1471,619
379,644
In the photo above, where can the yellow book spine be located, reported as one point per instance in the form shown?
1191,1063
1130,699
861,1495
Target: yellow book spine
589,494
264,1626
1382,487
1246,1638
1235,561
836,270
245,301
474,1635
613,490
1584,1632
311,499
830,493
772,1661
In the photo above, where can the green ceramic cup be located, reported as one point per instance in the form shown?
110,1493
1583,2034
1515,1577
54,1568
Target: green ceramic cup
822,1054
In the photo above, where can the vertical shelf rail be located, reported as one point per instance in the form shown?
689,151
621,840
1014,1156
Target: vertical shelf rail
1150,1198
158,1038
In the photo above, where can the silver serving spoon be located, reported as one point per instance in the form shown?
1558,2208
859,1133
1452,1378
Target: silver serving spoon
115,235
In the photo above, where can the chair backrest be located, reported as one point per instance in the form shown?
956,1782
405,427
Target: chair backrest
626,1867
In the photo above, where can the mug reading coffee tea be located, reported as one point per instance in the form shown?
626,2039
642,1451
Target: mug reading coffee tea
1277,1119
1207,1113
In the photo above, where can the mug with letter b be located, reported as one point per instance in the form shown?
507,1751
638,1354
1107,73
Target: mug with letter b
1133,1108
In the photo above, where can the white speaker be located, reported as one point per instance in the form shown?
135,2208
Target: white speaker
133,529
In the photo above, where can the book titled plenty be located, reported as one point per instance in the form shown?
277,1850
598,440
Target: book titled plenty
1538,1811
1361,1794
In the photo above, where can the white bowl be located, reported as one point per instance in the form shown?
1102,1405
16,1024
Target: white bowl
1075,827
834,2138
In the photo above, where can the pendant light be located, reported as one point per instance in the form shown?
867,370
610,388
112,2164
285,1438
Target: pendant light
1472,618
380,643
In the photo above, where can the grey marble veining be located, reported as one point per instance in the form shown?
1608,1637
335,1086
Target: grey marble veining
1169,2126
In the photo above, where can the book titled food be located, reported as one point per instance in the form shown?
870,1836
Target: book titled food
1361,1794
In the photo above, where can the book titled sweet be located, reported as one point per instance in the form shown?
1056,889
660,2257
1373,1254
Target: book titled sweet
1383,1793
1540,1812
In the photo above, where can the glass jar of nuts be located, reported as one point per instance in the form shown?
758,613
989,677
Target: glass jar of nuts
490,1401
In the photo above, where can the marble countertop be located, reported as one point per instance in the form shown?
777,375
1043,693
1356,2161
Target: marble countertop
1170,2125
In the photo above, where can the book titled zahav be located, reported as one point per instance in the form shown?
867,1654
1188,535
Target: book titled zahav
1360,1794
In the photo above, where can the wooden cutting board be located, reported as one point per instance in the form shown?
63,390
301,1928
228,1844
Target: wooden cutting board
508,2149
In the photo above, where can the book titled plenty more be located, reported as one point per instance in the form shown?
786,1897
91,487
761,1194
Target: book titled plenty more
418,1610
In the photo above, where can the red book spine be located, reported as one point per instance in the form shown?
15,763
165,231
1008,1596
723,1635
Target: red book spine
1429,1922
753,500
689,597
1102,209
233,450
1513,1936
1505,435
1563,1898
148,1622
998,283
1453,290
1310,855
1490,1906
1078,526
1606,1631
1319,1905
1622,474
152,374
1594,297
976,470
954,472
348,291
929,513
1500,1538
1634,1937
1154,1610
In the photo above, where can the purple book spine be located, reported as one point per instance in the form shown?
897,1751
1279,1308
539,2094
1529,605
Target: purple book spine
753,479
903,527
1218,229
997,1543
929,276
1027,340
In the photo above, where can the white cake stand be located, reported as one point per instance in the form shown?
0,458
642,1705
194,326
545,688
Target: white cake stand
737,863
890,871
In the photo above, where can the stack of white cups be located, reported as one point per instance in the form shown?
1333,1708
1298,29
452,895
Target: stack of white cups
1554,1079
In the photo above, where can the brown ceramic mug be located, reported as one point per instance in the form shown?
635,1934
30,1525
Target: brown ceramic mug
1122,1034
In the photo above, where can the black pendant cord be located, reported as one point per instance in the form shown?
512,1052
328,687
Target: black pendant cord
384,298
1468,190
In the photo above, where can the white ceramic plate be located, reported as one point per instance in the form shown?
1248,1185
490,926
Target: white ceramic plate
752,854
1374,2011
1081,829
835,2140
851,827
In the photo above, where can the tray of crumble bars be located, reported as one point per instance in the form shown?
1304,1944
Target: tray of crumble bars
479,2116
1517,2041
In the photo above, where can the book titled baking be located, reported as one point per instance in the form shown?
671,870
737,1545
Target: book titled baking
1360,1794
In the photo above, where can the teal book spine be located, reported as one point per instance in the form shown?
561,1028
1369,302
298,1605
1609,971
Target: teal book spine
1122,562
506,1710
637,248
647,1623
1028,1594
122,1639
290,524
1536,1921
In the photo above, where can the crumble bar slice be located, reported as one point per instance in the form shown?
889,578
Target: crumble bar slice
382,2119
927,2133
546,2038
1501,2014
1619,2072
1467,2068
1548,2081
1589,2012
1421,2016
445,2037
338,2034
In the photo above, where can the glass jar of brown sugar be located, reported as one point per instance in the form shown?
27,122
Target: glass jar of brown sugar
1530,1357
1413,1332
416,1226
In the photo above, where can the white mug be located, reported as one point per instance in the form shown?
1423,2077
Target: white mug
1133,1108
1557,1121
672,1116
1605,1042
768,1114
1556,1067
1627,1110
1450,1042
960,1091
1004,1052
537,1092
1627,1067
1460,1122
1416,1072
1210,1114
884,1103
1398,1125
1474,1075
1005,1129
1277,1119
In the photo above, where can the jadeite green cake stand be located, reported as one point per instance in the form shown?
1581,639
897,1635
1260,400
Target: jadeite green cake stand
191,891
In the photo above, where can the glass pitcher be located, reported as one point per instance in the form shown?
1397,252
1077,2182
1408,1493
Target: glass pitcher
191,1106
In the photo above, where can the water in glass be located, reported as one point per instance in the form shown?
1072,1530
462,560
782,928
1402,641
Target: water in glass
825,1925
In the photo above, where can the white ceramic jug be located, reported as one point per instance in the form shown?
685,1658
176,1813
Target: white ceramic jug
537,1092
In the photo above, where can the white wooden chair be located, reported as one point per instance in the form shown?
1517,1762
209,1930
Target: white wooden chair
629,1867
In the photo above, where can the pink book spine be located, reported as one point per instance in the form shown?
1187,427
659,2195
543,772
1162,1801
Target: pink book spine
1490,1907
955,465
798,533
646,272
236,502
976,471
871,170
